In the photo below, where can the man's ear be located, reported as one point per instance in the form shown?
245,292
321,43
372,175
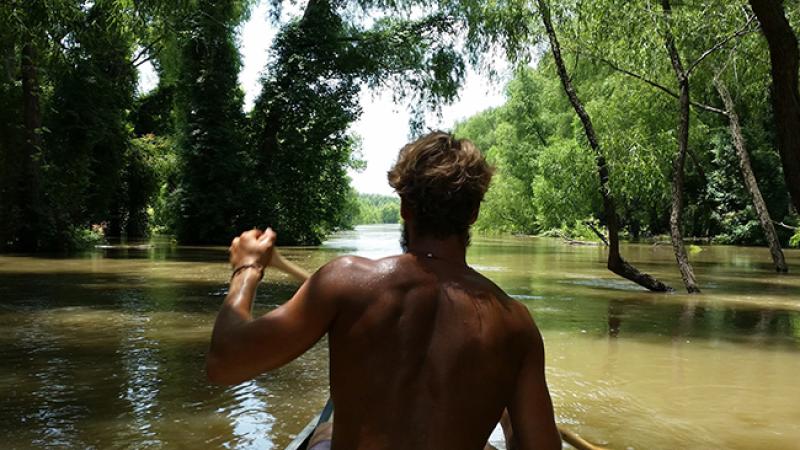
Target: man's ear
405,211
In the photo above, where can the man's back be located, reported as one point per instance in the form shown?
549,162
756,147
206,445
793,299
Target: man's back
424,354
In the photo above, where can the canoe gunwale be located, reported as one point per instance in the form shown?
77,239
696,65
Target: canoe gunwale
300,442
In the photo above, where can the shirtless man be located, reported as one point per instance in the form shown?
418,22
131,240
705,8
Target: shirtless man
425,352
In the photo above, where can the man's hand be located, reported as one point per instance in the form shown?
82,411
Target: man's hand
253,247
243,347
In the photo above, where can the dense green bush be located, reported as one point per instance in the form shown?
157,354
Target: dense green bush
214,185
159,159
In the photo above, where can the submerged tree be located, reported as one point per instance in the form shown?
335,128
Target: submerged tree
676,231
722,35
616,263
750,179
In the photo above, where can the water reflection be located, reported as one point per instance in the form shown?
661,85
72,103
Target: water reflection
107,349
380,241
57,414
248,413
139,358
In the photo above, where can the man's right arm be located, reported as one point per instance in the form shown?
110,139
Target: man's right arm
531,410
243,347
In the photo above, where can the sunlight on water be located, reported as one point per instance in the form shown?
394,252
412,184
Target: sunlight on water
107,350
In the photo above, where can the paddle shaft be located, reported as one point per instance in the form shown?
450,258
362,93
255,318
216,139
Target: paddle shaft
288,267
292,269
572,438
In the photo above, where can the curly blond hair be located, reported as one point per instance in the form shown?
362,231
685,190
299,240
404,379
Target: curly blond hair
443,181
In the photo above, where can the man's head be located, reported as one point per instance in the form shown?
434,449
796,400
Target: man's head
441,181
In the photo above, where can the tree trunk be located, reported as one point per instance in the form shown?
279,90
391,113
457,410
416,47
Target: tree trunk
616,263
750,179
29,185
785,58
678,164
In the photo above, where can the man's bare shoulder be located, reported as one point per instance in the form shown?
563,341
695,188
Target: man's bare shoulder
353,275
497,291
360,266
521,323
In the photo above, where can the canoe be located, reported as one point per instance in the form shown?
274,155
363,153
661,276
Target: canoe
302,439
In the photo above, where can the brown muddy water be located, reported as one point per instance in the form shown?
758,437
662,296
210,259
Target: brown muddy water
106,350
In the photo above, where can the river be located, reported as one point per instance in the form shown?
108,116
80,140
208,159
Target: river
106,349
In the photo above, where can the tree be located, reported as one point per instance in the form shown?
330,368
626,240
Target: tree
616,263
676,232
71,143
785,59
636,124
94,85
729,17
374,209
750,179
30,187
26,192
310,97
214,170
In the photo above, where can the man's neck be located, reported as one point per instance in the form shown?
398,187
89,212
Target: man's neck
451,249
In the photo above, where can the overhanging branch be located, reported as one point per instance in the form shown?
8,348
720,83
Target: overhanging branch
146,50
741,32
652,83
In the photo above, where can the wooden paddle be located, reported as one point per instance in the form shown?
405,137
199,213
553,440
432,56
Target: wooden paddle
288,267
292,269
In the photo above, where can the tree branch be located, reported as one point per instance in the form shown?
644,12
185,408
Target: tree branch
783,225
654,84
143,61
147,50
741,32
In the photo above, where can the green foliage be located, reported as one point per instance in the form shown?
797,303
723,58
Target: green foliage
80,152
80,170
86,155
374,208
546,170
80,238
152,112
545,179
795,240
564,188
213,163
158,160
576,231
184,158
310,97
300,129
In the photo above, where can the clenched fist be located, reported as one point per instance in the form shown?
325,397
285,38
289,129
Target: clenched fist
253,248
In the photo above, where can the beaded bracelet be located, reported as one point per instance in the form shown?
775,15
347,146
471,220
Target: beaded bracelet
249,266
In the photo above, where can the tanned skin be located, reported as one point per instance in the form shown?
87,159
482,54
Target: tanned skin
425,352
